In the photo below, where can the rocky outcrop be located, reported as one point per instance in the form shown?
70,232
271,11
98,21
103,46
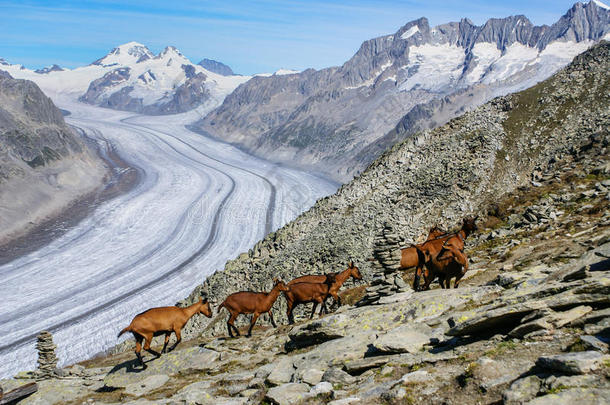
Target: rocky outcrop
339,119
39,158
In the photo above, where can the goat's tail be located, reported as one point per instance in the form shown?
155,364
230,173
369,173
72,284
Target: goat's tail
127,329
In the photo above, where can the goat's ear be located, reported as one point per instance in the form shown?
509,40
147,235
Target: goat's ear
351,263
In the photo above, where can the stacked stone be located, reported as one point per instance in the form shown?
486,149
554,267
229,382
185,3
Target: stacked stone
47,360
386,280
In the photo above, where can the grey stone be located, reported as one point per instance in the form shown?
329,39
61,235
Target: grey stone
177,361
404,339
283,371
522,390
321,388
337,376
418,376
146,385
312,376
580,396
317,331
595,343
573,363
287,394
357,366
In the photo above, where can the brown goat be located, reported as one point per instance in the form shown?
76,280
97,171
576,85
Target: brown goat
444,257
163,320
408,256
256,303
304,292
351,271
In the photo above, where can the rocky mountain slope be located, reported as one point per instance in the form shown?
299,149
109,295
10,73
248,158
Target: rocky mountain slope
43,164
437,177
529,325
332,119
132,78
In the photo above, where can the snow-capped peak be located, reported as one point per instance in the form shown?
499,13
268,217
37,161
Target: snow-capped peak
126,54
281,72
170,51
600,4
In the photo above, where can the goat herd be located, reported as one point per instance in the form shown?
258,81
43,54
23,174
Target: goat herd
441,255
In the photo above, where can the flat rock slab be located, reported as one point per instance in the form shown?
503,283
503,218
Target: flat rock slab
282,372
580,396
287,394
193,358
358,366
57,391
522,390
148,384
573,363
404,339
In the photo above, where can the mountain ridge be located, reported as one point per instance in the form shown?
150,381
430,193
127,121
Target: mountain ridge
334,113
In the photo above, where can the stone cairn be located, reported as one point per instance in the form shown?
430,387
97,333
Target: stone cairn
47,360
387,279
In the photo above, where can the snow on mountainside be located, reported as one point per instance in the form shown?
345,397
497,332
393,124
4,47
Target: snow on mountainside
333,115
132,78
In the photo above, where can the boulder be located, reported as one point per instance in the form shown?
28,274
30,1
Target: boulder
148,384
573,363
287,394
404,339
580,396
321,388
418,376
312,376
177,361
599,344
317,331
282,372
337,376
522,390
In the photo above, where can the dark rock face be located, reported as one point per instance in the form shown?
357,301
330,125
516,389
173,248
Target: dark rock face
32,129
44,165
49,69
98,86
216,67
335,119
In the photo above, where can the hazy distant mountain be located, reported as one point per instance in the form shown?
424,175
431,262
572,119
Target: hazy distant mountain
336,119
130,77
216,67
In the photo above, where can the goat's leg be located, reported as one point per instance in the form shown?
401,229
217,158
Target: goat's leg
231,325
167,335
271,319
429,277
252,322
336,298
289,308
323,308
178,333
147,342
138,350
416,279
313,310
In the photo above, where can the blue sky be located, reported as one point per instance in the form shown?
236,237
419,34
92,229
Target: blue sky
250,36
